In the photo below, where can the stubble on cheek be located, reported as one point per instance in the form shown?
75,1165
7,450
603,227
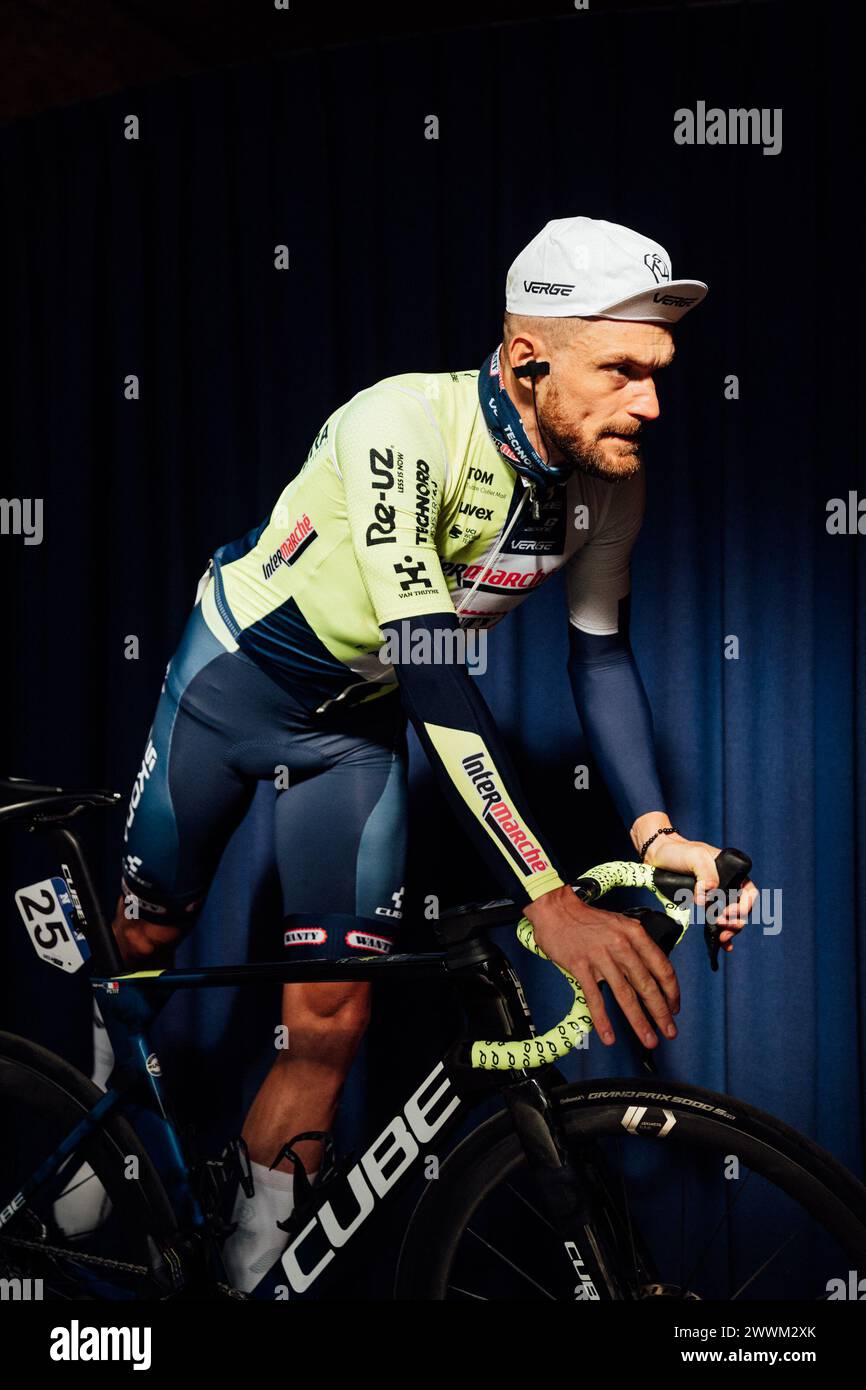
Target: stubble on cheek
592,452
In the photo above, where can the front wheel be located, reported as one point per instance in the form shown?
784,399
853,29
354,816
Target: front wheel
704,1197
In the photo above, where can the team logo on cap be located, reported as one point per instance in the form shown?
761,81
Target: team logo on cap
659,268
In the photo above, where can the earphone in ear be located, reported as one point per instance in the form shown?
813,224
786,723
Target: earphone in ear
533,369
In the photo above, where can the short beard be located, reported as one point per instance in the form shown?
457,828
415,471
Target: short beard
588,455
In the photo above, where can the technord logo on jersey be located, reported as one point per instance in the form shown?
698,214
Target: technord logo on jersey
425,496
371,1179
292,548
502,820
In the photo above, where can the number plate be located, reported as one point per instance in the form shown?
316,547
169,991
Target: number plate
49,917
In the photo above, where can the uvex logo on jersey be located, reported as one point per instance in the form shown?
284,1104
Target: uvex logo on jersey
292,548
501,819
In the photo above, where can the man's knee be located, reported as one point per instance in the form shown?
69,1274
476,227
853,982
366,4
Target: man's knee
342,1006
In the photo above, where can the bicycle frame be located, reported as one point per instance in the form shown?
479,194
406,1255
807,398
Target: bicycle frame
494,1004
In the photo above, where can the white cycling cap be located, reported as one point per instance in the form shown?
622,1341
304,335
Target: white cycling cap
584,267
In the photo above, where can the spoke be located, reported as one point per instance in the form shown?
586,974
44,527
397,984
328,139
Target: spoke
510,1263
795,1236
73,1187
627,1209
466,1293
526,1202
725,1216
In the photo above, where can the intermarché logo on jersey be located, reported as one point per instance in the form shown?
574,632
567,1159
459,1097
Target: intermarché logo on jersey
501,819
492,581
292,548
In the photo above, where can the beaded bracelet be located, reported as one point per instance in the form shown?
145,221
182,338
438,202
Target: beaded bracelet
665,830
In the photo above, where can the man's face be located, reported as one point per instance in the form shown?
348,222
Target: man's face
594,406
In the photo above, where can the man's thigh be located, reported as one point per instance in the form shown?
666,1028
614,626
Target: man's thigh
340,835
189,795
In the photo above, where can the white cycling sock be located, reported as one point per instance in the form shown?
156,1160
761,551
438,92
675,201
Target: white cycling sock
250,1251
84,1204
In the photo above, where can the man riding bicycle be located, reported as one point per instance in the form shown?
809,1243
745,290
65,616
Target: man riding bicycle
428,505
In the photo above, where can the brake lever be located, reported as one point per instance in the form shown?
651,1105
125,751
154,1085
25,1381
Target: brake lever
713,940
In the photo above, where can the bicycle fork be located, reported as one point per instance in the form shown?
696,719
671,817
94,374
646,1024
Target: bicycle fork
565,1201
496,1007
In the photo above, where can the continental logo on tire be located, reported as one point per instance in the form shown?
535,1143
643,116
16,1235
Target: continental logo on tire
669,1097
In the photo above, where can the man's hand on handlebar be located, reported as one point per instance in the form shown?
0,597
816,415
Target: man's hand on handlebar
695,857
594,945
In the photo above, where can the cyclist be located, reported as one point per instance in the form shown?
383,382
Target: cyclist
429,505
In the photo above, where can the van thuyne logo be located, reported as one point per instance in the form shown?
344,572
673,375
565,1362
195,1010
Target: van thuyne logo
501,819
77,1343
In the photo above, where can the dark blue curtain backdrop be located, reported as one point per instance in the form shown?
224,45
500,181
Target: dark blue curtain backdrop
156,257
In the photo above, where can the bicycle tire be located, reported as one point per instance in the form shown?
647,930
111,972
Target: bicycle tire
491,1154
39,1080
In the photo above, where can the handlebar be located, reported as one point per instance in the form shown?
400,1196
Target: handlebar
526,1053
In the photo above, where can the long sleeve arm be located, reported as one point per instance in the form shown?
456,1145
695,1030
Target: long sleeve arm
394,472
616,717
466,750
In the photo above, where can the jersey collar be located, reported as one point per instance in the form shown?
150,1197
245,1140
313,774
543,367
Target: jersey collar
506,428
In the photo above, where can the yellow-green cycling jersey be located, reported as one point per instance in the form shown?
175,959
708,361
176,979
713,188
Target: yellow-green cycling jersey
404,509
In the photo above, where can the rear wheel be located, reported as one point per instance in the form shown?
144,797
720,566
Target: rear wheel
702,1197
42,1099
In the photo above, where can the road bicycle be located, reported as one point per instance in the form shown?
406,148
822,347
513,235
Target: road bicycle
626,1188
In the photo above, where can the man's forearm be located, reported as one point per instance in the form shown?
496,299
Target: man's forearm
458,733
617,720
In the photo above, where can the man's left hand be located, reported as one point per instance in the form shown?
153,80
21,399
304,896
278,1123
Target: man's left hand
698,858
